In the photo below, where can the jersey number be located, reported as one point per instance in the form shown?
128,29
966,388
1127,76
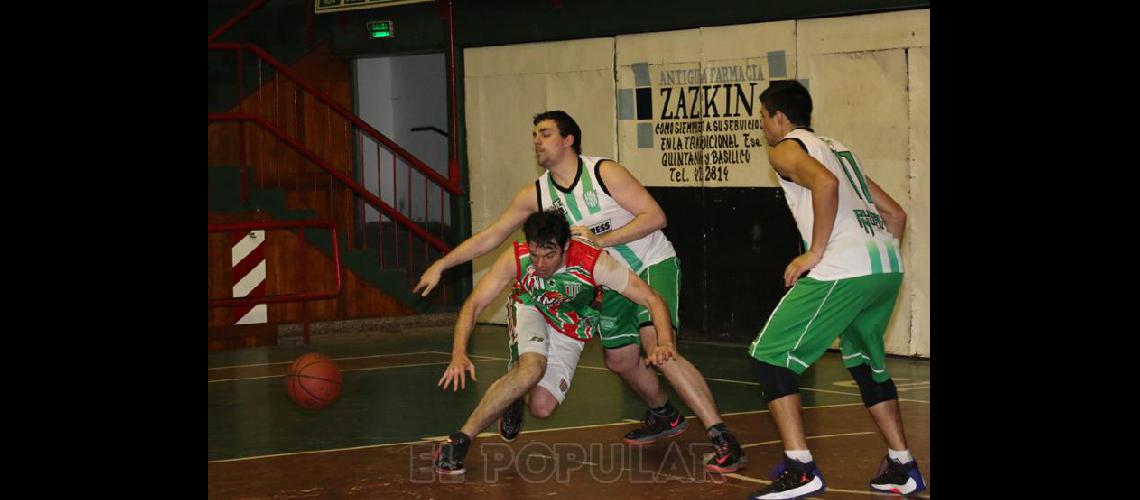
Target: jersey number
847,161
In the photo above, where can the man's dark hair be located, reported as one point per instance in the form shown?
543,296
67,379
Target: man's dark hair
547,228
566,126
790,97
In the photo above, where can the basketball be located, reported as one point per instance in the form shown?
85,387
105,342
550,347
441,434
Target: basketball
313,381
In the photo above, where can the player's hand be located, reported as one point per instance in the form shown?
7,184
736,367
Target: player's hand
454,374
800,265
429,279
661,354
583,232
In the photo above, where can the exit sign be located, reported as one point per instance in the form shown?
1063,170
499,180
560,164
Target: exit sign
381,29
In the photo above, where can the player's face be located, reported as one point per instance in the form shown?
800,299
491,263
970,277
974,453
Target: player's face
768,123
546,258
549,146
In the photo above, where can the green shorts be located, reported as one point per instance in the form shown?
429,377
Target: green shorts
813,313
621,318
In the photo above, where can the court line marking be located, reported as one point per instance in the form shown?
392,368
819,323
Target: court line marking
349,370
731,381
755,480
334,359
484,434
494,358
820,436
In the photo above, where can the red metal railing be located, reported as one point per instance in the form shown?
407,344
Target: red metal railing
316,132
451,185
304,298
303,141
345,181
339,188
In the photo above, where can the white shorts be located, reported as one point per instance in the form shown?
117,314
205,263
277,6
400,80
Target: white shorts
529,332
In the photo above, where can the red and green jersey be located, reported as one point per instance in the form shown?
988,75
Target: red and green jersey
566,297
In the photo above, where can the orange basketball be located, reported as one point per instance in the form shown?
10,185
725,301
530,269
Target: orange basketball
313,381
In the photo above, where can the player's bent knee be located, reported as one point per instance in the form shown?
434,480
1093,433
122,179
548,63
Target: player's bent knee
775,381
873,392
542,404
623,359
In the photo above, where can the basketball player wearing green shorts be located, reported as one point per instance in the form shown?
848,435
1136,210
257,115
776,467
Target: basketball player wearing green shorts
551,314
850,228
604,202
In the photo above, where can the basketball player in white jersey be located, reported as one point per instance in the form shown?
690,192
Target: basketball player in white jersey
851,230
621,216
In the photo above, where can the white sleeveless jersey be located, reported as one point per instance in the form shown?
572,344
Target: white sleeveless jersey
588,203
860,243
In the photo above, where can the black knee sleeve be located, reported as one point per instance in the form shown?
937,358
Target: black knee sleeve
873,392
775,381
